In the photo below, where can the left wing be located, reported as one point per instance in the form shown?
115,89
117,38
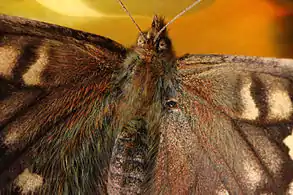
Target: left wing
226,136
56,98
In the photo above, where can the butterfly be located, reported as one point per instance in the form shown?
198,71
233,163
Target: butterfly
82,114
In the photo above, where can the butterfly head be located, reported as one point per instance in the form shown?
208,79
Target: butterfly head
153,41
153,72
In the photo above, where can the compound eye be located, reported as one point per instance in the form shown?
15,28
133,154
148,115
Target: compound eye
162,45
141,41
172,103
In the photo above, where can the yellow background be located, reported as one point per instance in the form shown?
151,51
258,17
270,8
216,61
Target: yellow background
243,27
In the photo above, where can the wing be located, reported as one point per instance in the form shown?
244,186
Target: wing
226,135
53,82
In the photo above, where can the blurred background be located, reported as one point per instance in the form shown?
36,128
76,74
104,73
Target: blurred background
242,27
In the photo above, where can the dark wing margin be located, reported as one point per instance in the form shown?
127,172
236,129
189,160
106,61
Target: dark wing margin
54,81
65,55
234,113
21,26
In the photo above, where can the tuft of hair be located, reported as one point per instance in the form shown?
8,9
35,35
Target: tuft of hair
158,23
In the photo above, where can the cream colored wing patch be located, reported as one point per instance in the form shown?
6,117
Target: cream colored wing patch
288,141
9,56
249,110
28,182
34,73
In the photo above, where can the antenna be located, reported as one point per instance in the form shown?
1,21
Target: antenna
126,10
176,17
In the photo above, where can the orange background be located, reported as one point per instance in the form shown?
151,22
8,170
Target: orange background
243,27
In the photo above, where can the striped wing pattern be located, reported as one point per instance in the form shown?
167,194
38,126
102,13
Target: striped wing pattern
224,130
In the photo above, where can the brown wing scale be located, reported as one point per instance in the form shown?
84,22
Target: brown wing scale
52,80
233,115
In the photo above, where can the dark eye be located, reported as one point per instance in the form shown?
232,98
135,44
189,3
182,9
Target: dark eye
171,103
141,41
162,45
